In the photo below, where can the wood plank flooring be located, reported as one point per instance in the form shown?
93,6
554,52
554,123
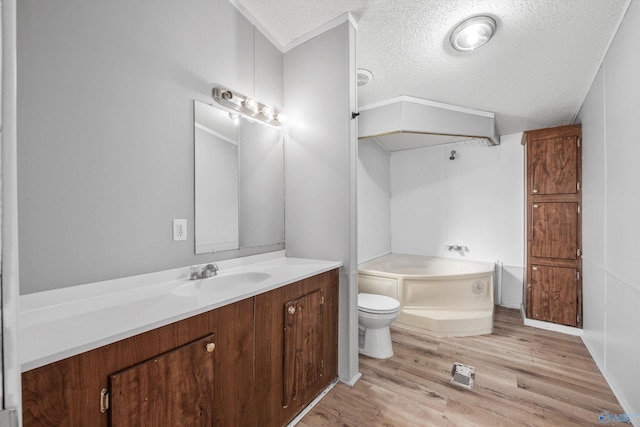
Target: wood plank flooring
524,376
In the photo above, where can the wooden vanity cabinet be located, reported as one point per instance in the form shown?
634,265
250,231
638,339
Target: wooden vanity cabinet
296,346
68,392
232,366
553,273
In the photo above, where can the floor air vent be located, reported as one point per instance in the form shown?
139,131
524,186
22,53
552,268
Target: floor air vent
463,375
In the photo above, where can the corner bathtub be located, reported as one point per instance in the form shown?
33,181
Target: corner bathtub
446,297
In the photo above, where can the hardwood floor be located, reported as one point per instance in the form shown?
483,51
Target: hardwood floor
524,376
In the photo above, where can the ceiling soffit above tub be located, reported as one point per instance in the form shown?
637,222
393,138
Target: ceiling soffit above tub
534,73
405,122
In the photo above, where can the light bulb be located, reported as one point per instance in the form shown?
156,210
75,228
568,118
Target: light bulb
281,117
473,38
251,104
268,112
473,33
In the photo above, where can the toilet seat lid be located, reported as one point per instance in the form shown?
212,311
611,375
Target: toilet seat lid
373,303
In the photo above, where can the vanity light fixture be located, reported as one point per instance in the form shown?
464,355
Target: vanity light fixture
472,33
247,106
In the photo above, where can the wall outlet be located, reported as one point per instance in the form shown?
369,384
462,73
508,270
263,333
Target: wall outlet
179,229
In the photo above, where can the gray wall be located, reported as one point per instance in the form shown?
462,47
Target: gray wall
105,132
321,155
611,230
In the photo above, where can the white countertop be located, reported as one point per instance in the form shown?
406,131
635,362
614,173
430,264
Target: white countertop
64,322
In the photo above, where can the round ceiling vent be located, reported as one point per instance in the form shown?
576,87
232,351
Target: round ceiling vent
364,77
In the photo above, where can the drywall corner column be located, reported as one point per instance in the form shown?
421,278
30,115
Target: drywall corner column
321,157
11,385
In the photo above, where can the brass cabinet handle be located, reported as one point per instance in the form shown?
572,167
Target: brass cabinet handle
534,191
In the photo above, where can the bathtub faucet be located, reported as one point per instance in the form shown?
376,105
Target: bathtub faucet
456,248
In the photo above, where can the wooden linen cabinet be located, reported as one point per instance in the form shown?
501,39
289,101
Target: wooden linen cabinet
553,272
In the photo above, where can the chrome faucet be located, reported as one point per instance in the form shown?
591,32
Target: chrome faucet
456,248
209,270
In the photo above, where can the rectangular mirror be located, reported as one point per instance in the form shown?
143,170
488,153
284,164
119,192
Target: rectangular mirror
239,182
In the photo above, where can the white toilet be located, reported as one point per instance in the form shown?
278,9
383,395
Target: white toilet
375,314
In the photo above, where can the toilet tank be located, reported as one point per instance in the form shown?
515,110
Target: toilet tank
378,285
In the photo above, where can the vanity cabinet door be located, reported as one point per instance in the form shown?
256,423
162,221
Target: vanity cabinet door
296,346
302,346
173,389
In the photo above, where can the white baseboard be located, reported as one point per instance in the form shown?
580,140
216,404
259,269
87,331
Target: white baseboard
352,382
549,326
507,304
635,421
313,403
634,416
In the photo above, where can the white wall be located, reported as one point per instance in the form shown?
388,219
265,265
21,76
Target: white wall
475,200
374,200
105,125
611,230
320,160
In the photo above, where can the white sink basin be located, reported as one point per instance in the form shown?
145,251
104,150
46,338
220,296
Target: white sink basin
215,284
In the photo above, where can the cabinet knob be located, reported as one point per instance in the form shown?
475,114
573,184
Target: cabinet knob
292,310
534,191
210,347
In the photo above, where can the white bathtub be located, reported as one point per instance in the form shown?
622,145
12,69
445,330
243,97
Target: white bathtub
446,297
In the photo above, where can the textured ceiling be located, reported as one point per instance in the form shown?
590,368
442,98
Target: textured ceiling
534,73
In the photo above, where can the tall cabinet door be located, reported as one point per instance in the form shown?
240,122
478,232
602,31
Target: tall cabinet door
553,296
553,167
553,290
554,230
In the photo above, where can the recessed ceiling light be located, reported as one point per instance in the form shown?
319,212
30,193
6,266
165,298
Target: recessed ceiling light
472,33
364,77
